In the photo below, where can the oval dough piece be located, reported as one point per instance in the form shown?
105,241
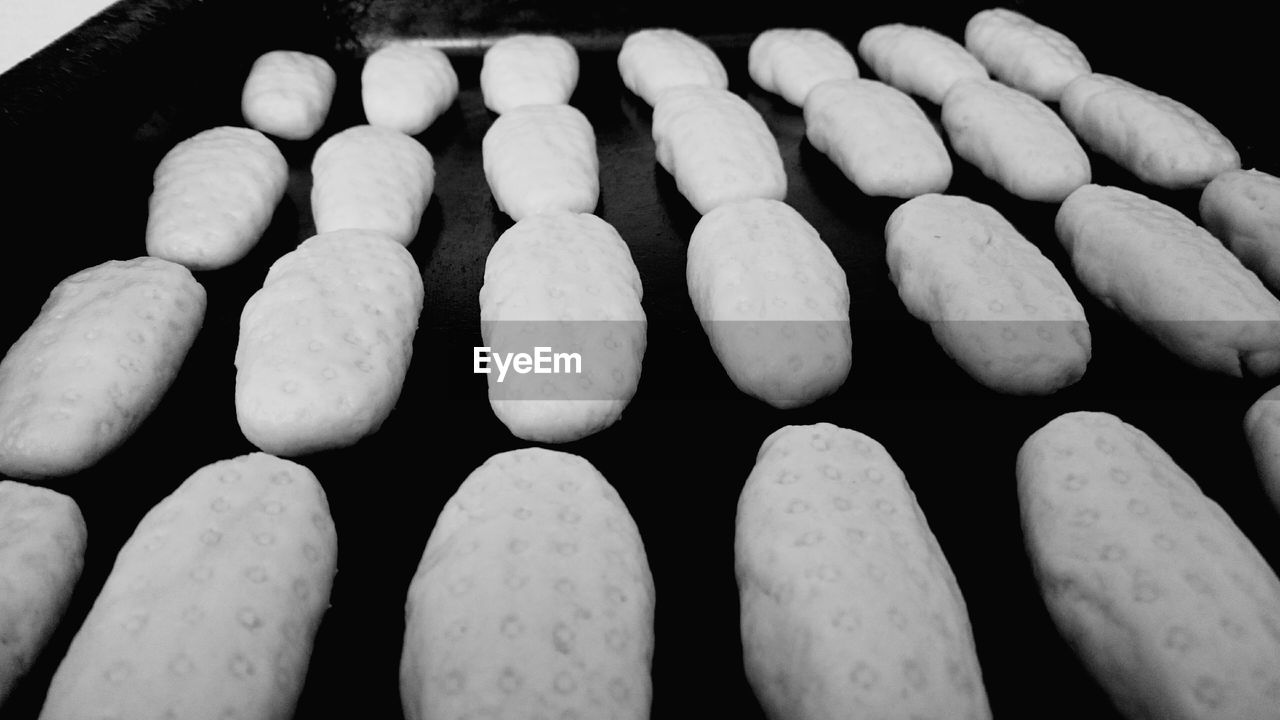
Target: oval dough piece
533,597
325,344
1242,208
773,301
917,60
42,543
405,85
1019,51
371,178
528,69
288,94
565,282
1015,140
1262,431
995,303
879,138
1163,598
716,147
542,158
96,361
847,600
213,196
212,605
653,60
1171,278
791,61
1158,139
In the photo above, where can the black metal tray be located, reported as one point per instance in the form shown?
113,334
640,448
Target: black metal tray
83,124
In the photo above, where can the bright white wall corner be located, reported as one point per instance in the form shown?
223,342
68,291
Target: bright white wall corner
26,26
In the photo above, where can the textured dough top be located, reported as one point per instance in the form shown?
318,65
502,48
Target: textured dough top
791,61
761,260
917,60
1153,263
655,59
1020,51
955,259
1159,139
528,70
552,264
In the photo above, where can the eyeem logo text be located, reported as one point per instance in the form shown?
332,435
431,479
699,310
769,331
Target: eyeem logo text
542,362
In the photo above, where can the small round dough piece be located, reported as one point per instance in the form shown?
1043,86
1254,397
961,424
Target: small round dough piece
653,60
792,61
288,93
528,69
405,85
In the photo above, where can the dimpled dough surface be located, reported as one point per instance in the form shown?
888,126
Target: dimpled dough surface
1165,600
791,61
1242,208
654,60
773,301
540,158
879,138
848,606
528,69
565,281
212,605
995,303
42,542
717,147
1262,431
325,344
1023,53
371,178
917,60
405,85
1160,140
96,361
214,195
533,599
1015,140
1172,278
288,94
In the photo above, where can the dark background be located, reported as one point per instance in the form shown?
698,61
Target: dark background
83,123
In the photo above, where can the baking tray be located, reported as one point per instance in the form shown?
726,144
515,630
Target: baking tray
83,124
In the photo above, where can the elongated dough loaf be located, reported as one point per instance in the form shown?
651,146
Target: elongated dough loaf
371,178
792,61
325,343
288,94
773,301
541,158
1242,209
1029,56
96,361
847,601
528,69
564,282
1160,140
405,85
1164,599
1171,278
212,605
653,60
917,60
42,543
878,136
533,598
1262,431
1015,140
717,147
995,303
213,197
